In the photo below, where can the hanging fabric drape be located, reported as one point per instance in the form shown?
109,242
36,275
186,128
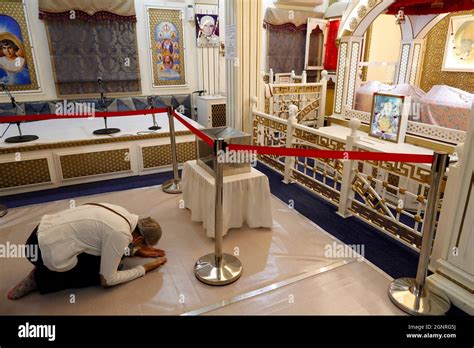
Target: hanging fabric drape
92,39
286,38
288,20
425,7
330,59
123,10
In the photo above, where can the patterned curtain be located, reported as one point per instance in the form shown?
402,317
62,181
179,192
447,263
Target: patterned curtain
286,50
84,51
286,38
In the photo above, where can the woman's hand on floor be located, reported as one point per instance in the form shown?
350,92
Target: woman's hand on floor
155,264
146,251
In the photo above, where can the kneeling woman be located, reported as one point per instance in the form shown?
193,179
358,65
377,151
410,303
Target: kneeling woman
84,246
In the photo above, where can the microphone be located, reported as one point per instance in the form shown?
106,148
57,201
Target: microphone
151,101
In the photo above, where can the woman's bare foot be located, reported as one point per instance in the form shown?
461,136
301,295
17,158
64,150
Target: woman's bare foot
23,288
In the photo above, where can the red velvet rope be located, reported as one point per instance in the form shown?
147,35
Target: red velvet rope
193,129
343,155
84,16
262,150
43,117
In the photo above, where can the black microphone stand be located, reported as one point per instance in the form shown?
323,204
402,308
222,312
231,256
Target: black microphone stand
20,138
151,105
103,108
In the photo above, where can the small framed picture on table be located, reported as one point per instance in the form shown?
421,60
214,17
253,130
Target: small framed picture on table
389,117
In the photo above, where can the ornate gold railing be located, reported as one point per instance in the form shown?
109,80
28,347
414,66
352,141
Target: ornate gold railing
390,196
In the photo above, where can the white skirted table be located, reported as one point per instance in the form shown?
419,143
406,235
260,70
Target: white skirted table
247,198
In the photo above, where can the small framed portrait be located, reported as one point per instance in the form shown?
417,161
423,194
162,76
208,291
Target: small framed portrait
207,30
389,117
459,52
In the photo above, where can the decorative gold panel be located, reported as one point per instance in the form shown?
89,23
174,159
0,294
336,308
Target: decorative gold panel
433,60
276,126
159,156
95,163
422,176
386,224
368,194
21,173
319,140
218,113
272,163
317,187
302,115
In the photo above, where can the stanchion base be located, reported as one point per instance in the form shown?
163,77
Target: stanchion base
155,128
173,187
3,210
107,131
21,139
402,292
229,271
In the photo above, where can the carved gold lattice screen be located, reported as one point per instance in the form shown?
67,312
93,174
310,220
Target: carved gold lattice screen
432,73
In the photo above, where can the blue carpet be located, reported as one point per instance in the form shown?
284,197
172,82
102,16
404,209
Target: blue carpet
69,192
392,257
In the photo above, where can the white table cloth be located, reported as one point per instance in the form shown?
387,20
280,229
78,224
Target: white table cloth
246,198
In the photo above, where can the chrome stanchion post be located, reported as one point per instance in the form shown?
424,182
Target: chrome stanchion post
413,295
3,210
218,268
173,186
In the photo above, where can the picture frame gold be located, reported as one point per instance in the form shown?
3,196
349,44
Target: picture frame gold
167,47
459,50
389,117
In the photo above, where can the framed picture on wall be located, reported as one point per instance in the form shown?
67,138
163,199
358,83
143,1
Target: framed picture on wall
207,30
389,117
459,51
166,30
17,65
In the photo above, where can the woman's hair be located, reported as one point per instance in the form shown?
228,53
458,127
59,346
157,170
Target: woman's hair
150,230
10,43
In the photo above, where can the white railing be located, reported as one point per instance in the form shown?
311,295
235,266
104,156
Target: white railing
290,77
309,98
390,196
